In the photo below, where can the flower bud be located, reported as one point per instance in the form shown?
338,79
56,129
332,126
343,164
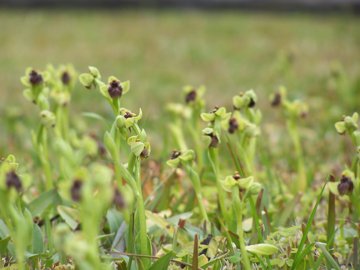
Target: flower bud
115,89
13,181
346,186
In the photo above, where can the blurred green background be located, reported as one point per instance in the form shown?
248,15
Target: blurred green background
161,51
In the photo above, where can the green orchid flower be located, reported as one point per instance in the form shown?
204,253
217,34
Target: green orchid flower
348,125
178,158
35,83
245,100
127,119
193,96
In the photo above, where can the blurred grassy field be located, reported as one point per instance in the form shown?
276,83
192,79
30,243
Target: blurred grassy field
162,51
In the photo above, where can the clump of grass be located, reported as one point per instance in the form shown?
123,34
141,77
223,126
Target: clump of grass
102,201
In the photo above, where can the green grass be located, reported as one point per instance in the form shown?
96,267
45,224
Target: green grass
162,51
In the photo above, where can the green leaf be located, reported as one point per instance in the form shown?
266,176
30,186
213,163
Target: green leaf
94,116
163,262
328,256
37,241
43,202
307,229
69,215
3,246
262,249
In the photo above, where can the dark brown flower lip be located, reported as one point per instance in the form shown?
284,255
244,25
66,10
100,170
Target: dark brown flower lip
214,140
191,96
13,181
144,153
236,176
65,78
233,125
346,186
175,154
75,190
115,89
128,114
252,103
35,78
276,101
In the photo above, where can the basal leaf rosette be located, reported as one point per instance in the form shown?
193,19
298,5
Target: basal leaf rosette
179,158
245,100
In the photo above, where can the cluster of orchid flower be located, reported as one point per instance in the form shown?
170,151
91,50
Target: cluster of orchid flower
85,205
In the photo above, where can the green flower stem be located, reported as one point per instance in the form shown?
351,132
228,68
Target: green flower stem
213,159
301,183
197,144
42,151
140,211
238,208
331,220
194,177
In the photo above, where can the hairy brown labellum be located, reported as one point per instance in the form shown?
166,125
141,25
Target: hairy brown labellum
144,153
35,78
252,103
233,125
214,140
175,154
236,176
276,100
115,89
13,181
128,115
65,78
75,190
191,96
346,186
